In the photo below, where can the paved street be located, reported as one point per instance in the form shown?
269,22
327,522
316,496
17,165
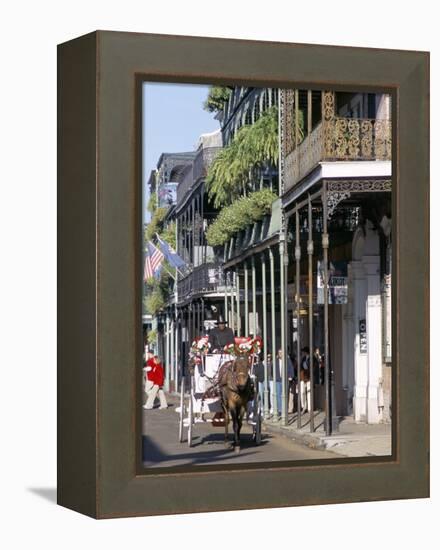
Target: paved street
162,448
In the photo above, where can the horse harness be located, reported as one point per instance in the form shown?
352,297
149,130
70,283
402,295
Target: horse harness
215,389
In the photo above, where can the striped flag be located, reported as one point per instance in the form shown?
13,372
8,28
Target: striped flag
148,272
153,261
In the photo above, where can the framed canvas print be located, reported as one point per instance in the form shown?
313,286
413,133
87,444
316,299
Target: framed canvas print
243,274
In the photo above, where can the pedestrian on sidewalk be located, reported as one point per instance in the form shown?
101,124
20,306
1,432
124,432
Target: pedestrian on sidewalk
292,382
155,380
305,379
318,361
259,376
148,365
289,376
275,382
274,375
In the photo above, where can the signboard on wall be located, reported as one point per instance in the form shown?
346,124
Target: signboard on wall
167,194
362,336
337,284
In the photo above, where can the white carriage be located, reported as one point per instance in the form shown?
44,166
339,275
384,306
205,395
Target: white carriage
200,403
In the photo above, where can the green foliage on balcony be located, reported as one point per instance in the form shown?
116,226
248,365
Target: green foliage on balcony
217,97
152,203
154,300
156,224
253,148
238,215
152,337
157,291
168,234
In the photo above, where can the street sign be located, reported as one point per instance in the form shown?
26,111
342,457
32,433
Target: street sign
337,283
362,336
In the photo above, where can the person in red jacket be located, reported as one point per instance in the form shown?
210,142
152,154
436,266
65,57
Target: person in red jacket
148,364
154,382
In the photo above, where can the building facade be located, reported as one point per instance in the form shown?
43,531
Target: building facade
313,272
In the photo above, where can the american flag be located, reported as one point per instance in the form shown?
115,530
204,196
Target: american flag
153,261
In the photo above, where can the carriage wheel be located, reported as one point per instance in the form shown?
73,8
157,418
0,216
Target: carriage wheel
257,417
190,413
182,410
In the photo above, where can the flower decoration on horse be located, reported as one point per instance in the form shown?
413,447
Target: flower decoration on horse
244,346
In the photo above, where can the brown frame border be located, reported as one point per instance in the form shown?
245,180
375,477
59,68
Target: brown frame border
99,273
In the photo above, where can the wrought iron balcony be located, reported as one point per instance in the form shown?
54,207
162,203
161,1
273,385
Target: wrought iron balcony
337,139
197,170
202,279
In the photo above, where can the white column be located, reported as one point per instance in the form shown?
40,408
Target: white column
360,359
374,335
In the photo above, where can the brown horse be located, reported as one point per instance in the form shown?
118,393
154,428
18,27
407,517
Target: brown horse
236,391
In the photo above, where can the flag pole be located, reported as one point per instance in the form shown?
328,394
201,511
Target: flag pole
169,272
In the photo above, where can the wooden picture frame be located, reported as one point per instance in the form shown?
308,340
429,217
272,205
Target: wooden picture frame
99,282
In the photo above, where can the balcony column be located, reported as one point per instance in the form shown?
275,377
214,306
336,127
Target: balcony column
275,403
177,351
254,297
202,230
283,303
198,259
312,367
172,351
185,236
327,372
193,225
246,300
225,306
188,328
193,321
298,315
264,358
237,281
202,307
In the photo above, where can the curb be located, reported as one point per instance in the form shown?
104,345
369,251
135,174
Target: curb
335,444
306,439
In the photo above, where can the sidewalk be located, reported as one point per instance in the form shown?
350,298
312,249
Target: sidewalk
350,440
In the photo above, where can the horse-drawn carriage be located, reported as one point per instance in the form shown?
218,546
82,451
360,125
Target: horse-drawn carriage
221,385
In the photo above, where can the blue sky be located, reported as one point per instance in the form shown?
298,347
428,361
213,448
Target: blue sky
173,119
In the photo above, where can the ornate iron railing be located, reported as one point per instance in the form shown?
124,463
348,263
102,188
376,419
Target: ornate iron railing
337,139
202,279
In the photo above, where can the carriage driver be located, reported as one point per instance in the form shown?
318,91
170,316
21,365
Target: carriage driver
220,336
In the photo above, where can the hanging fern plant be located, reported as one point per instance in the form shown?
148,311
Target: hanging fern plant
254,146
238,215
